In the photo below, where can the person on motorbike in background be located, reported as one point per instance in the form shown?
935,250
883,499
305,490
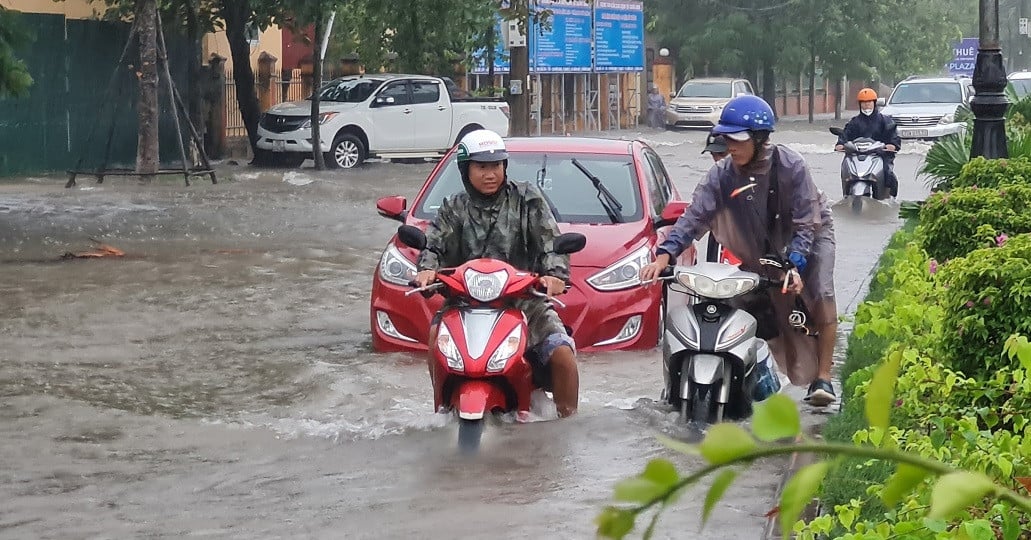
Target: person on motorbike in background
510,221
760,202
717,146
871,123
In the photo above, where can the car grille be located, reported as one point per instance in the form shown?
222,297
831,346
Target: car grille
281,124
695,110
916,121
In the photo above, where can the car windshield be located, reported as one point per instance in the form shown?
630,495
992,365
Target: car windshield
572,193
942,92
706,90
1021,86
349,90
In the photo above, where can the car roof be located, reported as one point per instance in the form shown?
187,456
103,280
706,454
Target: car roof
576,145
934,79
714,79
383,76
1020,75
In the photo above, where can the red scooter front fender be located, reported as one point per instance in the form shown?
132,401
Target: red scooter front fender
474,398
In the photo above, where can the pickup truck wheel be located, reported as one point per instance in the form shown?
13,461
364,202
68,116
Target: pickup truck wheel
347,152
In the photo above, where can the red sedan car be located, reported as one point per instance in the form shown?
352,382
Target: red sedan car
606,309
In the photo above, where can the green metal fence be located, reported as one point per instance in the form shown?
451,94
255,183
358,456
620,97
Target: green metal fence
71,63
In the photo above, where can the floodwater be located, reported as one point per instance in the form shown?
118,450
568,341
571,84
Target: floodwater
218,381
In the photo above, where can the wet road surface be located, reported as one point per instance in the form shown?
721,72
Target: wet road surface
219,382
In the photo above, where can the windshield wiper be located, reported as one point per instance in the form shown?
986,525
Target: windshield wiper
540,184
608,201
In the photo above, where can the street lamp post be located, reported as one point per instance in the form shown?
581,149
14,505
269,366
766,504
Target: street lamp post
989,103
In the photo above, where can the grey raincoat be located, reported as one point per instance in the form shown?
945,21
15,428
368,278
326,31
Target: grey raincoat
515,225
802,222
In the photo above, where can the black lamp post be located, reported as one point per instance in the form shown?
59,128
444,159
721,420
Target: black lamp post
989,103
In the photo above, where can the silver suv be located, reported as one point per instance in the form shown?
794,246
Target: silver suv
700,102
925,107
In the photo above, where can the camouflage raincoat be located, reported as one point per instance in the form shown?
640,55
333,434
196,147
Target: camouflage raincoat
515,225
802,222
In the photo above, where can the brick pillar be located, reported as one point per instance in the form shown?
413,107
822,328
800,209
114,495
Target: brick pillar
266,92
215,96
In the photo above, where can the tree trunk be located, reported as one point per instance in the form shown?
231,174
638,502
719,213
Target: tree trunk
812,80
770,85
147,152
316,136
236,14
837,98
491,39
194,90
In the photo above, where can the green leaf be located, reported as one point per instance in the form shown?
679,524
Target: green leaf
880,392
1010,526
956,491
638,490
662,472
798,492
725,443
614,522
935,525
978,530
719,486
906,477
679,446
776,418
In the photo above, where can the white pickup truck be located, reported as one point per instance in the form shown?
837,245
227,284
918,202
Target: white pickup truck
378,115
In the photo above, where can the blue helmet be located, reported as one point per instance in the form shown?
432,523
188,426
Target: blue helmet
745,113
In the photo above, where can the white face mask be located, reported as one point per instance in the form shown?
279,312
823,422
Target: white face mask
867,112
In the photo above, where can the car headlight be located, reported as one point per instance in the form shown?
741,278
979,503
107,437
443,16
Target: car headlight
505,351
623,274
724,288
446,345
395,268
323,118
485,287
948,119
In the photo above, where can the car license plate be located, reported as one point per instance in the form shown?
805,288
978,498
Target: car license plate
278,146
914,133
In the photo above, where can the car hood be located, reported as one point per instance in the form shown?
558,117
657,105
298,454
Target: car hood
606,243
696,101
920,109
303,108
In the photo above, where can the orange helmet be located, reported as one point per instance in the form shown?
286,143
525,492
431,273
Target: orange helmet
866,94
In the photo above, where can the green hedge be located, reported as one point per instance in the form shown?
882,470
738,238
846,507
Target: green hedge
953,223
992,173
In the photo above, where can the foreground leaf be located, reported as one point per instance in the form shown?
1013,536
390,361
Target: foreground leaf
906,478
798,492
719,486
956,491
614,523
776,418
725,443
881,391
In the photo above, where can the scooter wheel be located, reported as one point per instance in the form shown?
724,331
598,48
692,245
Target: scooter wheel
857,204
469,434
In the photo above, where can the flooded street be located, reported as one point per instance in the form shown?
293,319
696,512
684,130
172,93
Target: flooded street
219,381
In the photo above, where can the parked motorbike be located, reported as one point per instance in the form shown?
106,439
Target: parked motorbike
862,170
713,364
481,364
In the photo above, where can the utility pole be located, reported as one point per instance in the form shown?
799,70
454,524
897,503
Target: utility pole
989,104
519,50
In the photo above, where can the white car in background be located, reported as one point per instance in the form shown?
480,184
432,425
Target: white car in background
925,107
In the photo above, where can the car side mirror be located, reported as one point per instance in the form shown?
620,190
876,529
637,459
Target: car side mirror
567,243
881,102
393,207
739,94
837,131
672,95
412,237
671,213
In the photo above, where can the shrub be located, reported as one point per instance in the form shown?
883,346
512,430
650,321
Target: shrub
992,173
986,298
949,222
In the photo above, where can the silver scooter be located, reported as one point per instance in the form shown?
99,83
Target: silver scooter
713,364
862,170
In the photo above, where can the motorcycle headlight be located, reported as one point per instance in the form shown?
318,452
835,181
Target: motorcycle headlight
395,268
948,119
323,118
722,289
505,351
624,273
485,287
446,345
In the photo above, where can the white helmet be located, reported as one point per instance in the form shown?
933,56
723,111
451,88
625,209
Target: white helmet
482,145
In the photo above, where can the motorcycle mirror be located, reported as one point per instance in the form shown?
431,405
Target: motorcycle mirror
837,131
412,237
567,243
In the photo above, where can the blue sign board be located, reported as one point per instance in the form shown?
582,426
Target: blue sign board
566,47
618,35
502,59
964,55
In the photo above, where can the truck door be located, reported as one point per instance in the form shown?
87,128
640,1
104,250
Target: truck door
433,115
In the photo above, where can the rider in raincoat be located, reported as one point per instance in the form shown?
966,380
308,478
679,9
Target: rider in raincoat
763,201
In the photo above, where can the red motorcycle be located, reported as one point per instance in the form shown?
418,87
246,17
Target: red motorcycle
481,362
